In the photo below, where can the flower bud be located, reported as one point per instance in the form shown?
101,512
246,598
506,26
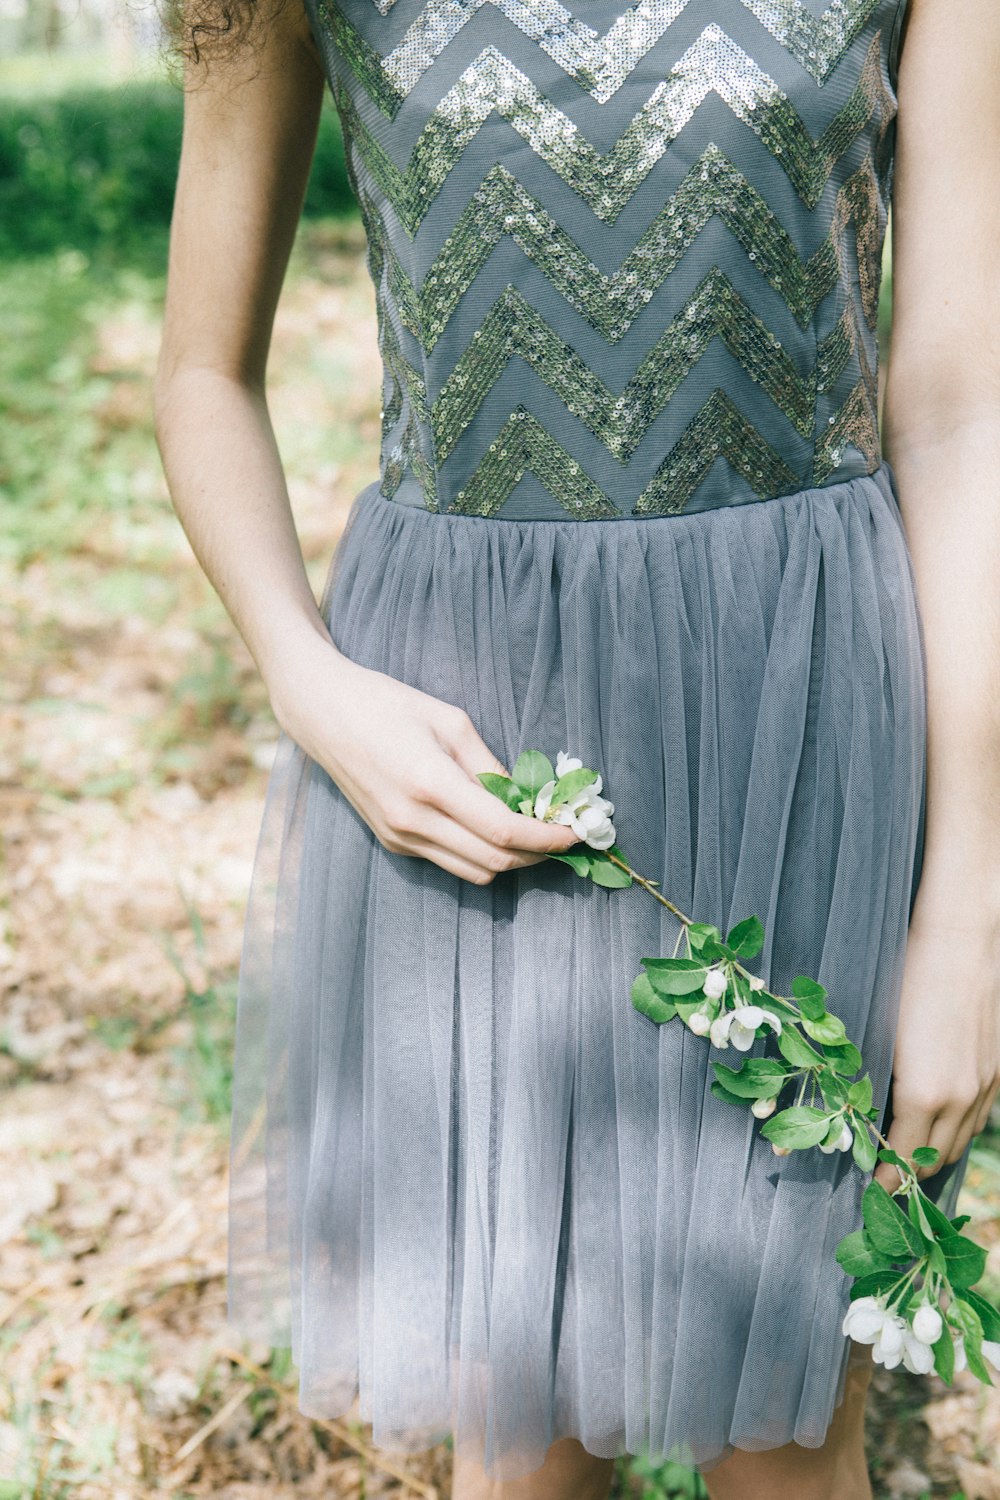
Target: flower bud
716,984
845,1139
864,1319
720,1030
927,1324
918,1357
780,1150
763,1107
755,982
699,1023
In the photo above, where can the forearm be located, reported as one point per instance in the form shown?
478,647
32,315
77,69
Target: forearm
947,466
228,488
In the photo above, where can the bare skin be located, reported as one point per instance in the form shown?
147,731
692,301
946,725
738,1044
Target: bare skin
408,762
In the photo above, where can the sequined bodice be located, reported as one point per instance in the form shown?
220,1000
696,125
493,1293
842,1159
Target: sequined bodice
627,257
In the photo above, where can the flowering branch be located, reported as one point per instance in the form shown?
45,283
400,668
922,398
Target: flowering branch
912,1271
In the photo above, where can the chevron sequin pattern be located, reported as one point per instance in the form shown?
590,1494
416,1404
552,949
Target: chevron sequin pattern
627,258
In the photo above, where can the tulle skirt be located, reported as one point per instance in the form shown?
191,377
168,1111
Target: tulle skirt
471,1185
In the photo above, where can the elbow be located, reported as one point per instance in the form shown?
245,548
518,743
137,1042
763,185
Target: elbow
184,389
933,393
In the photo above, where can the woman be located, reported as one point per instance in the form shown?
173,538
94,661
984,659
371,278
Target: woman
632,505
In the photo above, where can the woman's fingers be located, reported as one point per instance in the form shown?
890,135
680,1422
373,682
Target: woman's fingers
912,1126
471,805
468,800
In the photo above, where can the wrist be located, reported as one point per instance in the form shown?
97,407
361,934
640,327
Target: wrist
295,665
959,890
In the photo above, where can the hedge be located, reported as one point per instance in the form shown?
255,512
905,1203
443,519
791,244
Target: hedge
93,167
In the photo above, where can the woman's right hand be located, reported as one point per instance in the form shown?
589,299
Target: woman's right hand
408,763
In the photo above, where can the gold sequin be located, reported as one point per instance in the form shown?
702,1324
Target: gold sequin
598,63
514,329
713,186
607,181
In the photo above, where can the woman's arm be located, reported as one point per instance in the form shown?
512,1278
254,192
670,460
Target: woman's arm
942,436
407,761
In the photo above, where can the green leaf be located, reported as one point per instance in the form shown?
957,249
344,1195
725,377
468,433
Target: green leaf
772,1002
857,1259
989,1317
944,1356
569,784
796,1050
939,1221
502,787
919,1220
965,1317
859,1095
926,1156
889,1230
828,1029
833,1089
646,1000
603,872
811,996
966,1261
721,1092
701,933
798,1127
526,807
675,976
746,938
578,862
532,770
874,1285
843,1056
758,1078
863,1149
892,1157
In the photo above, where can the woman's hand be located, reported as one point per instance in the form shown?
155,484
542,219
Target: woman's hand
408,763
946,1067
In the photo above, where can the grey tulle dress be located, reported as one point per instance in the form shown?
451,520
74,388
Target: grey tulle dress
631,505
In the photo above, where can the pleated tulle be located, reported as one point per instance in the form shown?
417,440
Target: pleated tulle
470,1182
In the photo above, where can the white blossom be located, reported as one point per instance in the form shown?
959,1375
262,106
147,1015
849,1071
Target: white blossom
961,1358
927,1324
591,823
586,812
543,797
864,1319
991,1352
741,1025
780,1150
699,1023
918,1356
843,1142
566,762
869,1321
716,984
762,1108
755,982
887,1346
720,1031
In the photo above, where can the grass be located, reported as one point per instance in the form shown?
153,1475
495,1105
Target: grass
75,465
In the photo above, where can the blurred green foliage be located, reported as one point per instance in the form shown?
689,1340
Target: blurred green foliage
89,167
